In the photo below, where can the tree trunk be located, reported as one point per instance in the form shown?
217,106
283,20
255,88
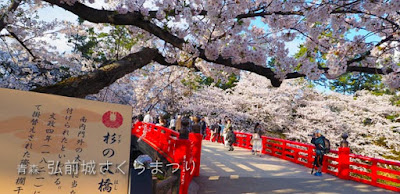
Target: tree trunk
93,82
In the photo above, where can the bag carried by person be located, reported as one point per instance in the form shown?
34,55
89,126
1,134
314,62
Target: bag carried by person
327,147
233,137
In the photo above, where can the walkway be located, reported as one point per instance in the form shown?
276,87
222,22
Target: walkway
240,172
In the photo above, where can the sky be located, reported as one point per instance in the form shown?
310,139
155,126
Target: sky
49,13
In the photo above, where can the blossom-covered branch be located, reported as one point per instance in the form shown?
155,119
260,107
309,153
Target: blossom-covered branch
12,7
93,82
142,19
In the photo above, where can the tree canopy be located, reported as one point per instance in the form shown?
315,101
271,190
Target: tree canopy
252,35
295,110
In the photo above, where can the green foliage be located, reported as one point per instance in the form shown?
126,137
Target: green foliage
199,81
85,44
118,39
392,117
395,156
367,121
349,83
302,51
395,100
381,142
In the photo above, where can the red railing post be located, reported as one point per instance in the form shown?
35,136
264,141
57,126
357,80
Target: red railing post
272,146
374,174
196,139
343,163
284,150
264,145
248,139
182,156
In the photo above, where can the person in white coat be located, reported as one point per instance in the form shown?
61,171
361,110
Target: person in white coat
148,118
172,123
256,140
227,125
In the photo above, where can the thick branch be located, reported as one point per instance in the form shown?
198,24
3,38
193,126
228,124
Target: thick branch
367,53
136,19
103,16
112,17
368,70
93,82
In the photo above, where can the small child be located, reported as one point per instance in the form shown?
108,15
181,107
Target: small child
230,138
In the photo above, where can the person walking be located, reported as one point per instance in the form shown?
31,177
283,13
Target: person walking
178,123
228,124
256,140
218,130
184,131
213,131
230,138
203,127
319,141
172,123
221,132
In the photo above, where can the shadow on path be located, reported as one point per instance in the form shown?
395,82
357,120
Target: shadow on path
240,172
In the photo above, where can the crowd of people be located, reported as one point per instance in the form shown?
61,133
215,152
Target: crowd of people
222,131
179,123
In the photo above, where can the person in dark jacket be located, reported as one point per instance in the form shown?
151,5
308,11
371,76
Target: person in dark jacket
203,127
219,131
213,131
319,141
230,138
184,131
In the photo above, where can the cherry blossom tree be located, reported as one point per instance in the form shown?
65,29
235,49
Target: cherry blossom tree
251,35
174,40
296,110
154,87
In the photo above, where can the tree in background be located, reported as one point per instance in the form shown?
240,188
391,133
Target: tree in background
294,110
351,83
168,55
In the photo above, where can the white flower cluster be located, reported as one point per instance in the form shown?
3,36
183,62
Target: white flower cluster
297,110
334,32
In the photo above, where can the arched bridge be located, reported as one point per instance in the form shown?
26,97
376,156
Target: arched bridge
284,166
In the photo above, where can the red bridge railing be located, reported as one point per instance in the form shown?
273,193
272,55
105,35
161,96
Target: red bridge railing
340,163
185,152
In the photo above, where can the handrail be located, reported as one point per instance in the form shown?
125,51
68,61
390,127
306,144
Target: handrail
185,152
377,172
